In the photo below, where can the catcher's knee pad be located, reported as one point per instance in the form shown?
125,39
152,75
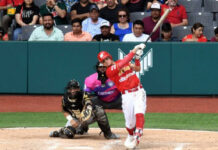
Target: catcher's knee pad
69,132
100,113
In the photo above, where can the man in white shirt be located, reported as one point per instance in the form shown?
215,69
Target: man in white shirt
137,35
92,24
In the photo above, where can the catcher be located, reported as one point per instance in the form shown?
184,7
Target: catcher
80,112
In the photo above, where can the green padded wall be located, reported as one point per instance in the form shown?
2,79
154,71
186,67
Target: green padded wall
194,68
13,64
53,64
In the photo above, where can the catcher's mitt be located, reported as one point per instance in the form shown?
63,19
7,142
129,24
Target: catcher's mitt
86,113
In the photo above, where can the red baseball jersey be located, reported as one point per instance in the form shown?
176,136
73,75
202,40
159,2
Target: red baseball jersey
124,78
176,15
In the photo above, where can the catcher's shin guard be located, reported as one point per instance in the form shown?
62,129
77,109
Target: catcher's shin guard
103,123
54,134
67,132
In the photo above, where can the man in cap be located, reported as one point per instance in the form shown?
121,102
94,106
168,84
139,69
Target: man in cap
151,21
105,33
93,22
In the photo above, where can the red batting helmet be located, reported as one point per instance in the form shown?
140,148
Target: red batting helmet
102,55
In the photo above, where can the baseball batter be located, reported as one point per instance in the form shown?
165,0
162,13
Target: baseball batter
122,73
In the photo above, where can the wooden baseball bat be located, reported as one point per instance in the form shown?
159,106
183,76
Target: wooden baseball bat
162,18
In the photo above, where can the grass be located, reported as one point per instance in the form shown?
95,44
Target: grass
152,120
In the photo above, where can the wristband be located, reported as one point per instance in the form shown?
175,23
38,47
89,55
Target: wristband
69,118
137,62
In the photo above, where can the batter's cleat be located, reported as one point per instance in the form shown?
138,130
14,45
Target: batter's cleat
54,134
111,136
128,142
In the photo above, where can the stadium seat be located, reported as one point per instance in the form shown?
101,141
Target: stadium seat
205,18
138,15
191,5
209,32
181,31
65,28
26,32
39,2
211,5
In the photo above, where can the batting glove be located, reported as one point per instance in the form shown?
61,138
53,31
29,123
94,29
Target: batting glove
140,46
138,54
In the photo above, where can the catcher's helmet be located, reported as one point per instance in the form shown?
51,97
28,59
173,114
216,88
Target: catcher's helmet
72,84
102,55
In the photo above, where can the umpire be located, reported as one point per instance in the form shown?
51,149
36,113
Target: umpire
80,112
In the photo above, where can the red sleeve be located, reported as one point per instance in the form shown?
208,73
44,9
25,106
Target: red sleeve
184,14
126,60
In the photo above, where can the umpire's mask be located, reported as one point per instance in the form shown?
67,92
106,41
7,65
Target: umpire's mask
101,70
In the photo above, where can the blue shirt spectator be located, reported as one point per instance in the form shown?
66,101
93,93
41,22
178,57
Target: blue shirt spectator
93,23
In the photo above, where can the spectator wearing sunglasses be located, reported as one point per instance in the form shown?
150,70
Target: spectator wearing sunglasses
123,26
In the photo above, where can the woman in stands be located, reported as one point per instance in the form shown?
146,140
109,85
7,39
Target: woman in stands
197,34
123,26
26,14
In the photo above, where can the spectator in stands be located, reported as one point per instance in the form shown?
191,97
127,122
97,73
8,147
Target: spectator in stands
105,33
151,21
80,9
150,2
57,9
92,24
99,3
26,14
3,35
215,38
137,35
47,32
9,7
104,91
134,5
69,4
166,34
178,15
109,12
77,34
197,34
123,26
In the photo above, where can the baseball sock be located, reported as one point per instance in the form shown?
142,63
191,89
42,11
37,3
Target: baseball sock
139,126
130,131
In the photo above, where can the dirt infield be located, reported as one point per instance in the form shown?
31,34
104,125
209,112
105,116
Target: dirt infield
37,139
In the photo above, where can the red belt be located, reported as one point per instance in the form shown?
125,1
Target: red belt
132,90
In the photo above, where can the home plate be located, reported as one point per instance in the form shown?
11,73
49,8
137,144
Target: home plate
79,147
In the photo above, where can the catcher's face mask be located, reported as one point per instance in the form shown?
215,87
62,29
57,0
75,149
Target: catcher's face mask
73,93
